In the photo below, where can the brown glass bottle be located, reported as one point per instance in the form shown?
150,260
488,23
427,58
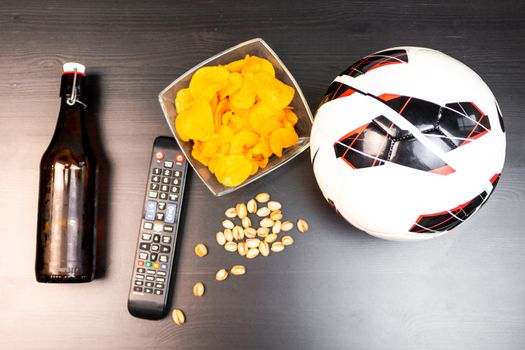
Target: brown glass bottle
65,250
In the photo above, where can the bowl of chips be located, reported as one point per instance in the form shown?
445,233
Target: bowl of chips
237,116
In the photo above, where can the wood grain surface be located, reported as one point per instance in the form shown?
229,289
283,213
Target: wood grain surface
336,288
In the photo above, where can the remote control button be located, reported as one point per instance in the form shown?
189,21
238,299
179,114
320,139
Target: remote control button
137,289
168,228
150,272
161,206
156,265
153,257
166,172
173,197
143,255
146,236
161,279
179,158
175,182
176,173
157,171
157,228
148,264
159,155
144,246
166,239
139,283
165,249
163,258
151,209
159,285
164,188
139,277
161,273
155,247
168,164
150,284
156,238
155,178
170,213
140,263
159,216
141,270
163,196
148,290
163,267
150,278
165,180
152,194
158,292
148,225
154,187
174,189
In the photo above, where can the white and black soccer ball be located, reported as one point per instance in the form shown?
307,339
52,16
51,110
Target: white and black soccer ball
407,143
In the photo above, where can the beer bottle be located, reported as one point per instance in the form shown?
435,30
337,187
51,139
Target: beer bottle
65,249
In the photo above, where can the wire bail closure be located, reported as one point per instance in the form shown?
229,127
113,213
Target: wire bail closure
72,99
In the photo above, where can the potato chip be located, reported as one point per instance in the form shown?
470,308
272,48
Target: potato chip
213,162
183,100
211,146
207,81
236,66
195,123
254,64
282,138
255,167
243,141
272,91
232,170
234,84
222,107
244,98
290,116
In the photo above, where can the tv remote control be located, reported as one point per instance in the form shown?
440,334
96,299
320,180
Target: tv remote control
153,263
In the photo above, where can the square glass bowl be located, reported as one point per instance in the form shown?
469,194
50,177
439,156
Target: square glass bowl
254,47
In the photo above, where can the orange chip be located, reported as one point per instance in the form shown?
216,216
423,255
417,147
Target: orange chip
233,170
236,66
211,146
195,123
254,64
243,141
290,116
272,91
234,84
183,100
207,81
222,107
282,138
244,98
255,167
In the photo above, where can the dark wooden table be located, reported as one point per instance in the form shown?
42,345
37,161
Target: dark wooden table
336,288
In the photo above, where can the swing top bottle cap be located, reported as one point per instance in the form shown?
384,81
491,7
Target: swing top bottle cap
70,67
68,79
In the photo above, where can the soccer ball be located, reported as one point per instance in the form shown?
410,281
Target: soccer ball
407,143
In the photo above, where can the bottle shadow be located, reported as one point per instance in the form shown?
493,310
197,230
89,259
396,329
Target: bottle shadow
102,195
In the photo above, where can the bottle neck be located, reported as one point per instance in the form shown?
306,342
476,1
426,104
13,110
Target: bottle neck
71,124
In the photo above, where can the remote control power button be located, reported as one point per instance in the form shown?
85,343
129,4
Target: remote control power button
159,155
179,158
